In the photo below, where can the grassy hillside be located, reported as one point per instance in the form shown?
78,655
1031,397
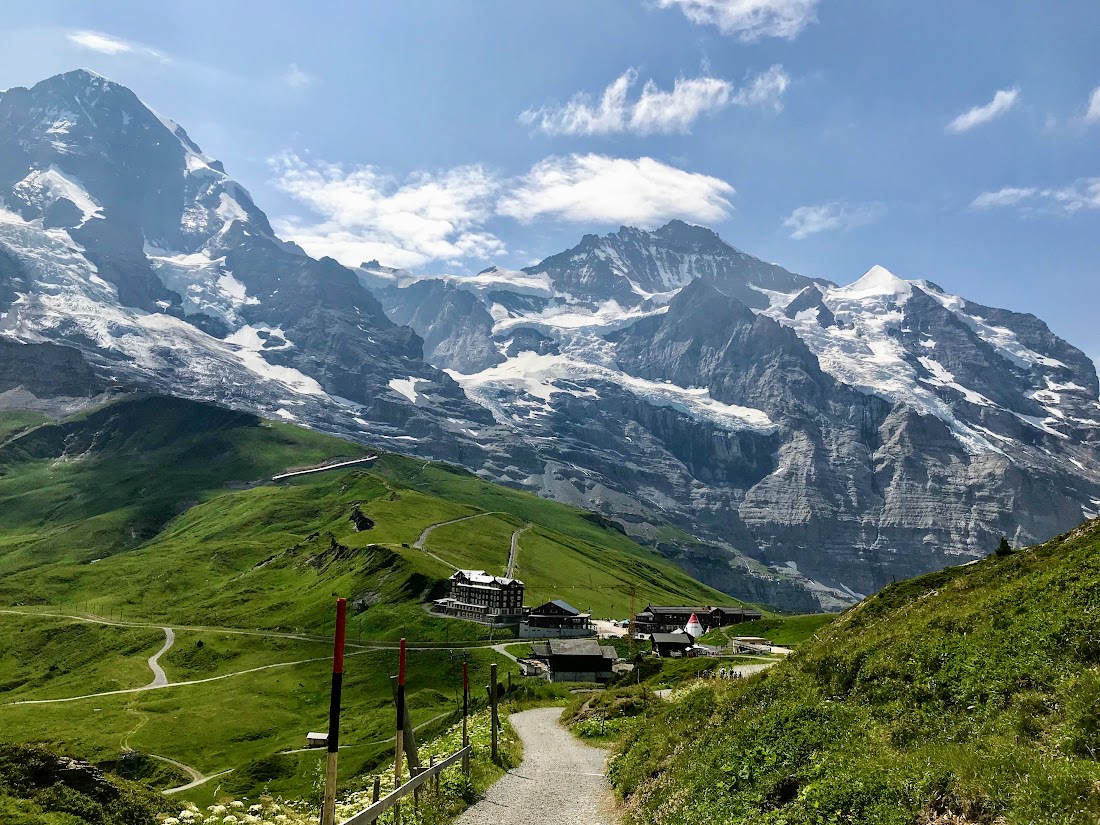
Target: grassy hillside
132,508
155,512
967,696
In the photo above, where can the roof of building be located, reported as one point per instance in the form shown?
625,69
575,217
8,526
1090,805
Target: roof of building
566,606
481,577
671,639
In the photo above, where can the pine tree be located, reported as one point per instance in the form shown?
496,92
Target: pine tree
1004,548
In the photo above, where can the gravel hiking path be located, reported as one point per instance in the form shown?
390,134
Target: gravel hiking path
159,678
419,543
561,780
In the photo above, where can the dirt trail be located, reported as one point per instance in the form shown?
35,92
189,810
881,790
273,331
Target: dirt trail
159,677
419,543
560,780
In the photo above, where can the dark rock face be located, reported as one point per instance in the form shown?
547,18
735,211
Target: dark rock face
46,371
456,327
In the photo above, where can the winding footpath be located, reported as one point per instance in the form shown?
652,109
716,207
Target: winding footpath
159,678
561,779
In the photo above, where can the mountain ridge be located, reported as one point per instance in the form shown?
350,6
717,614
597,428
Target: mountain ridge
773,430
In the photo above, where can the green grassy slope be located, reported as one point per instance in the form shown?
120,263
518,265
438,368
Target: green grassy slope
967,696
157,512
131,508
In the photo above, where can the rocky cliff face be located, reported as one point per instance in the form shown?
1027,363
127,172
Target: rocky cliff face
786,439
120,238
816,439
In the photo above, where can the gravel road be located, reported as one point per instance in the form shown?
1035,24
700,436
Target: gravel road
561,780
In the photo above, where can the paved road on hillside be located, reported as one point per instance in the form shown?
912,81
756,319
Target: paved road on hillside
561,779
515,550
159,677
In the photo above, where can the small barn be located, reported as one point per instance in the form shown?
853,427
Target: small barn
671,645
556,618
576,660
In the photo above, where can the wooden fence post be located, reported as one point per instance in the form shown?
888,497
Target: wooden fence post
465,718
400,738
493,706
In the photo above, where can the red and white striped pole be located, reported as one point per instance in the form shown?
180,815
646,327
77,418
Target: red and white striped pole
400,738
328,812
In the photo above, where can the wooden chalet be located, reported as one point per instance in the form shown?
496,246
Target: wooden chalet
671,645
576,660
558,619
657,619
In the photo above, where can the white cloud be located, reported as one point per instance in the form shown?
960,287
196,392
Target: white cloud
110,45
766,89
367,214
749,19
836,215
1083,193
656,111
1008,196
1093,113
295,78
1002,101
600,189
362,213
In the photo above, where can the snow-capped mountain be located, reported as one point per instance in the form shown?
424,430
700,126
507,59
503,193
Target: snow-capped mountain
787,439
842,434
120,238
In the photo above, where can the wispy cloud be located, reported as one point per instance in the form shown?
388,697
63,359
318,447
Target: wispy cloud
1002,101
363,213
1008,196
1083,193
655,111
111,45
765,89
1092,115
601,189
367,214
830,217
295,78
749,19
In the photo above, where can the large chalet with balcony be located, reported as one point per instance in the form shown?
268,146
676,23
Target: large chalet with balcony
479,597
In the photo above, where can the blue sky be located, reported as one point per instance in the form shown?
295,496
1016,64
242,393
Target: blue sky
958,142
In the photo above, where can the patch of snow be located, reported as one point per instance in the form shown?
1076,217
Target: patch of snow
43,188
543,376
235,290
406,387
249,338
607,316
1002,339
942,377
286,414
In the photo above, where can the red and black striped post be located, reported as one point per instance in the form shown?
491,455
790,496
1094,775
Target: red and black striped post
328,812
400,738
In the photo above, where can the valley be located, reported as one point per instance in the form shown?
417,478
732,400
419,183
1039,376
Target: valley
153,513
